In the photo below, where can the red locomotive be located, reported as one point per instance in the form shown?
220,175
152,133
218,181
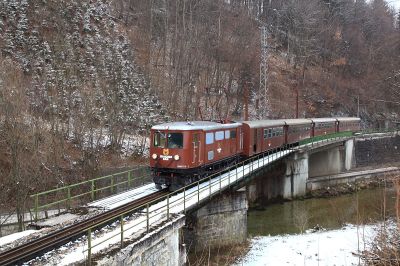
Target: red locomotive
184,152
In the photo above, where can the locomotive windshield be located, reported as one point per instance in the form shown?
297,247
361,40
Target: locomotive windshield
168,140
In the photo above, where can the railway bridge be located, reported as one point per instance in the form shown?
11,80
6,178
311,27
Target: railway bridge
213,212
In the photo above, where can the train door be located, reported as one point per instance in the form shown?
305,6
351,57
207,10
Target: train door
230,135
286,134
240,139
255,141
196,149
312,129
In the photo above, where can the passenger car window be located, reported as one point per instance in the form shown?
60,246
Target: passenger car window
233,134
269,133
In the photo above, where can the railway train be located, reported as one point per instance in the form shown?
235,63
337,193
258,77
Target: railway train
184,152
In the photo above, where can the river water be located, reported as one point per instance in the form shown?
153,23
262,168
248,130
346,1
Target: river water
280,235
365,206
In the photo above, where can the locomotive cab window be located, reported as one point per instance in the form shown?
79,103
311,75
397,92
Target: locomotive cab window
169,140
233,134
209,138
219,135
159,139
175,140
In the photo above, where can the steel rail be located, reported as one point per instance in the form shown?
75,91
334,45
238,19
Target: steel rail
43,244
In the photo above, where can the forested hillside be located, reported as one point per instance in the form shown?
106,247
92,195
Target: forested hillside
82,81
201,53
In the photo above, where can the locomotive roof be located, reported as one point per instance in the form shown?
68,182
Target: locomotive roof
195,125
348,119
323,119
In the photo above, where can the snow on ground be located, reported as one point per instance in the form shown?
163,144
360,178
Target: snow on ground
123,198
177,203
57,220
110,235
336,247
28,217
13,237
130,144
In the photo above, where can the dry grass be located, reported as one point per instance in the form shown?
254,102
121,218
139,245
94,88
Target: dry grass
218,256
385,248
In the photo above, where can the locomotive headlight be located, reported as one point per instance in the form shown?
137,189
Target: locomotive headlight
176,157
154,156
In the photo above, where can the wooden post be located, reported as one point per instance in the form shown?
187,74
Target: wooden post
89,237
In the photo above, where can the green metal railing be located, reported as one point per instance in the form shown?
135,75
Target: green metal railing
328,136
70,195
180,201
144,217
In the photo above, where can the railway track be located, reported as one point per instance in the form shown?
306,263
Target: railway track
43,244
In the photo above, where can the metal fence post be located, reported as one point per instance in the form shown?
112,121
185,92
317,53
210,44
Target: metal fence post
68,197
242,169
129,178
122,231
236,172
36,207
184,200
220,184
209,186
92,190
147,218
112,184
89,236
142,170
168,206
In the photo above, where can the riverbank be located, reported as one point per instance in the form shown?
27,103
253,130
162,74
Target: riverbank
336,247
350,187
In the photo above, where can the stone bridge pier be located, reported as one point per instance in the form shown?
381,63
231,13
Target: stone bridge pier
221,222
288,178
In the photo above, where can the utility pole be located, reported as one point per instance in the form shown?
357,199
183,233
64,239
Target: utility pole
297,101
263,71
245,102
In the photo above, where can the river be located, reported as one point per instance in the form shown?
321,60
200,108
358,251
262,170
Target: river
318,231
